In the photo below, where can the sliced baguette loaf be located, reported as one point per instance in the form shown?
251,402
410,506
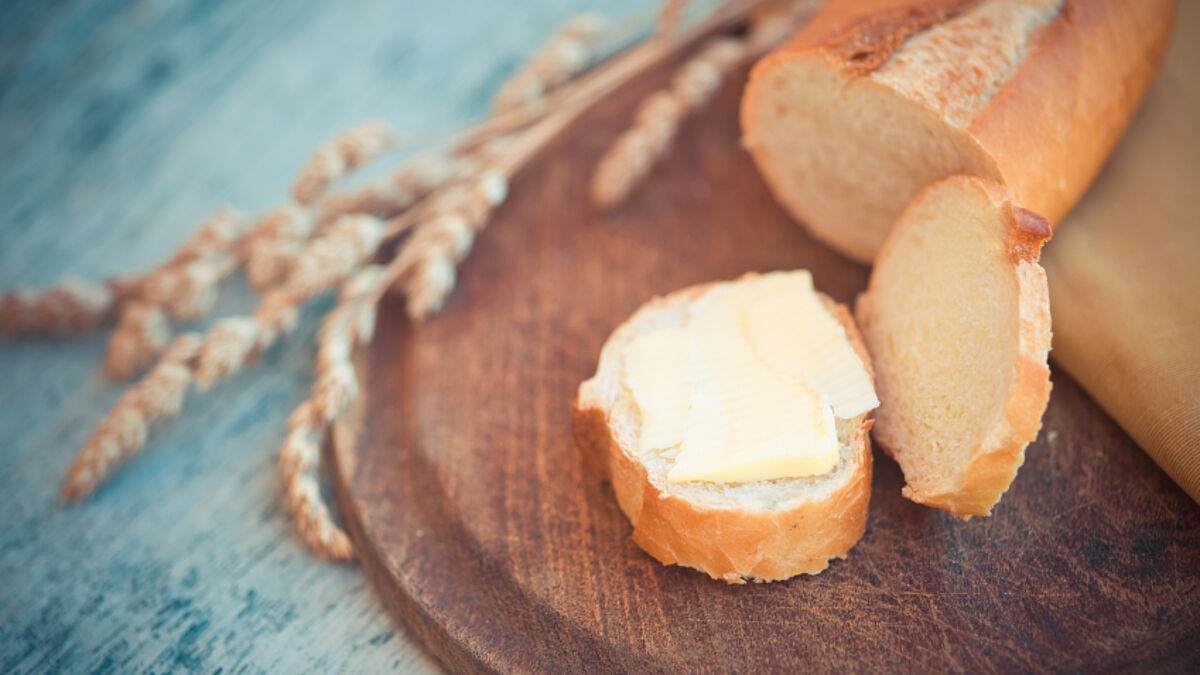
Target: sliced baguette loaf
875,99
759,530
957,320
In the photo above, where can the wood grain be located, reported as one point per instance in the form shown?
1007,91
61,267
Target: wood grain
482,531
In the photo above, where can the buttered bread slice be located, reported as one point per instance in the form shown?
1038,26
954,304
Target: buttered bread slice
732,421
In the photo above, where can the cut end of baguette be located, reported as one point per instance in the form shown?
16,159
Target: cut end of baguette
764,530
844,153
957,320
872,101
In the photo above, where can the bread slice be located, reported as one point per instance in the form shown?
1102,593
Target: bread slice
759,530
872,100
957,320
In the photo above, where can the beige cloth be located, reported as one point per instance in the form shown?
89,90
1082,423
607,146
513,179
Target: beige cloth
1124,272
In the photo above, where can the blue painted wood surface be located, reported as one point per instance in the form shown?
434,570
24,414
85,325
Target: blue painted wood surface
123,124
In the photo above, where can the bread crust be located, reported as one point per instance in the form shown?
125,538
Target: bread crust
995,463
1045,133
728,543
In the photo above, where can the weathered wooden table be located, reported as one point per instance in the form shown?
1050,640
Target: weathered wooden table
122,126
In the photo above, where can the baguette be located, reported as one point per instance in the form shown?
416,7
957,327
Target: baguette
875,99
957,318
759,530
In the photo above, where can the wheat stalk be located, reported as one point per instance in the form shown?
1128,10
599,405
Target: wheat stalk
633,155
393,194
326,261
424,270
185,284
187,291
335,159
335,389
566,54
279,235
443,240
431,209
658,119
215,236
141,335
227,348
298,461
71,305
123,431
78,306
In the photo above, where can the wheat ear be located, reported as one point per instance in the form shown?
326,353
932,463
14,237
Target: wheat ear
326,261
566,54
70,306
217,235
299,462
335,159
278,236
336,387
657,121
123,431
141,335
633,155
444,239
391,195
184,283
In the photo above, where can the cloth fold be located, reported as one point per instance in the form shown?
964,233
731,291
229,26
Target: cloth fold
1124,272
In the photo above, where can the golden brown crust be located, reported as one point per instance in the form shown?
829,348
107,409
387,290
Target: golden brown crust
730,544
1075,95
592,437
1047,130
863,37
994,467
1028,235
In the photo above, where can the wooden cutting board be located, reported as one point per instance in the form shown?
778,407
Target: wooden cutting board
480,528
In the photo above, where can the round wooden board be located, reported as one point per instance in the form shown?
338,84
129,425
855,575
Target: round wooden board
480,528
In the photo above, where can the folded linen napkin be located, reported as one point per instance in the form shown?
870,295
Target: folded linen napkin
1124,272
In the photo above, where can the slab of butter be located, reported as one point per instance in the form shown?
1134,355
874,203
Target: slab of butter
655,365
792,332
748,388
